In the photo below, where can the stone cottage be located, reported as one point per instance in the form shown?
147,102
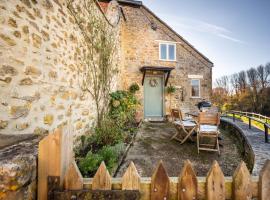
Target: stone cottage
155,56
41,49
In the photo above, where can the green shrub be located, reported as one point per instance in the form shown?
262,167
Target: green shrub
108,133
109,154
123,108
134,88
90,163
105,142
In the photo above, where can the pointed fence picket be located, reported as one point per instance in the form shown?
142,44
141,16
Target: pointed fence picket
160,184
188,183
242,186
215,183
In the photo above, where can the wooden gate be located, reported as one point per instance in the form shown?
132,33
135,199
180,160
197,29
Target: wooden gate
59,182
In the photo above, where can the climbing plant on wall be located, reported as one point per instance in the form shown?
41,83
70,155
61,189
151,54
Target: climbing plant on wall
98,64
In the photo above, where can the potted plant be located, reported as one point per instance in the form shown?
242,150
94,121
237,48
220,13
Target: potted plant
171,90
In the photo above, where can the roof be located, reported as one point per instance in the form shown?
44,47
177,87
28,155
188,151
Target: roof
156,68
132,2
166,70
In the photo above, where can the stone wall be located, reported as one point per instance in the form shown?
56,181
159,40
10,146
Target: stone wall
140,47
18,170
243,143
41,48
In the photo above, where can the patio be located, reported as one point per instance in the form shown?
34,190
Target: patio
153,144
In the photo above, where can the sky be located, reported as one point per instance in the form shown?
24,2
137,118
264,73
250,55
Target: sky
233,34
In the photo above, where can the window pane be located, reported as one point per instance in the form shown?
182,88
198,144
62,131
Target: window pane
163,51
171,52
195,88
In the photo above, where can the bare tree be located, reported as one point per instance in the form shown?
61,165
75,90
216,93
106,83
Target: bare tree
223,82
242,81
263,74
253,82
234,83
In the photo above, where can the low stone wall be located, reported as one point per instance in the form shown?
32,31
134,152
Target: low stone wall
18,170
243,143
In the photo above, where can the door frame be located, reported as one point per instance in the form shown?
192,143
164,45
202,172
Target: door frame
163,94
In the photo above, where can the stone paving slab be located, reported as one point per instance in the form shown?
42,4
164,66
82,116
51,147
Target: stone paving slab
255,137
153,143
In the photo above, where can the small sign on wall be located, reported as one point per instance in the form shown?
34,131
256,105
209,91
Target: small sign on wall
195,76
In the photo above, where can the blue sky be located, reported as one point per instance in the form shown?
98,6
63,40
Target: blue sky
234,34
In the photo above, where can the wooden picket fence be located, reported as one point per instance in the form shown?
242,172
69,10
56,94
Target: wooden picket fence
59,178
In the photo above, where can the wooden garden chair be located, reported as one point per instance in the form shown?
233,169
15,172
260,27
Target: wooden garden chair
184,126
208,123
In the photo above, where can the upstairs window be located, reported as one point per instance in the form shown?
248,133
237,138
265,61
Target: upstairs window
195,88
167,51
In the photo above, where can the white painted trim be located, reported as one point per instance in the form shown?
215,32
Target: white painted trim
165,41
193,76
196,97
167,51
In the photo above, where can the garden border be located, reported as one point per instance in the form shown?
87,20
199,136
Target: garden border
124,155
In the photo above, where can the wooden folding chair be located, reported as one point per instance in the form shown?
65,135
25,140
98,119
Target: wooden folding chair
208,123
184,127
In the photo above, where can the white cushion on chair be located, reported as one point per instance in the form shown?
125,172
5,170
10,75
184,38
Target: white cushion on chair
208,128
188,119
185,123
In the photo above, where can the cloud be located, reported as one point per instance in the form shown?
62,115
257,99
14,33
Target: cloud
231,38
201,26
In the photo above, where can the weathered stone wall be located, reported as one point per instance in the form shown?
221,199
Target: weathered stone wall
140,47
18,170
41,48
243,143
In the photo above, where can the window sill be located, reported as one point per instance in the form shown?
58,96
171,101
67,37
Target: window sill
167,60
195,97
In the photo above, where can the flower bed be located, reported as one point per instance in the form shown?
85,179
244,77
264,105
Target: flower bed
111,139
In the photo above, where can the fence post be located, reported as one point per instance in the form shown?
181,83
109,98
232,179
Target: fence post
249,123
234,117
266,133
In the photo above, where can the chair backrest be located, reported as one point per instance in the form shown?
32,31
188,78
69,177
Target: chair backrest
176,114
209,118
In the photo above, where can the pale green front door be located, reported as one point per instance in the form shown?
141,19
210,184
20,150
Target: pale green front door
153,97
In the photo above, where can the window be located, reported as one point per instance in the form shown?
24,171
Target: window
195,88
167,51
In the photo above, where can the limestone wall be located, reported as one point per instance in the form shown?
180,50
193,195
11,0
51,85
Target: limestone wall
40,51
140,47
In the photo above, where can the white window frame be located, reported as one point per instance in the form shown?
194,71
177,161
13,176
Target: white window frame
167,50
195,79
